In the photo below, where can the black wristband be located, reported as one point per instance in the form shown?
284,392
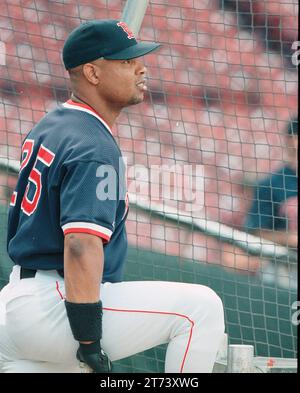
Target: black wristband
89,349
85,320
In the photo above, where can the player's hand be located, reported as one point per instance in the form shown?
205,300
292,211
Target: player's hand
94,356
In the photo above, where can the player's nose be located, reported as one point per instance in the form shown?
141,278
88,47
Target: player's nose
141,68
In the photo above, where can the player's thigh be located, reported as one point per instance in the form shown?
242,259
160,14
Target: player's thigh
142,314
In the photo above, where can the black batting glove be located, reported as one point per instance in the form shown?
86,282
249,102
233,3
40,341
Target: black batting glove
94,356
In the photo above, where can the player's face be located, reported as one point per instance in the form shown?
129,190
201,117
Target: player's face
123,82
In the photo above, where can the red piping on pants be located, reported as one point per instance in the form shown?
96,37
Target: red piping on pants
152,312
164,313
57,288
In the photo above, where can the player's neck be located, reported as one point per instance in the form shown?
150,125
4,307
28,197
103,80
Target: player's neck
107,114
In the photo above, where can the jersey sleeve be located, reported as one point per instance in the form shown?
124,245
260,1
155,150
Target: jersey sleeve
88,199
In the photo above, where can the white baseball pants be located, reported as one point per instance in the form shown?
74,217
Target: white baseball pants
35,334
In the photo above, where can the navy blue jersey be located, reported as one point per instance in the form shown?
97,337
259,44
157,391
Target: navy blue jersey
270,194
71,181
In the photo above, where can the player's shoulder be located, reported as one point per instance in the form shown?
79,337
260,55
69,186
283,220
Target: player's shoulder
272,178
74,119
80,131
277,183
89,135
280,178
76,136
80,119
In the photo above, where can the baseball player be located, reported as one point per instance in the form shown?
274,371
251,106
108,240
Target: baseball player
65,304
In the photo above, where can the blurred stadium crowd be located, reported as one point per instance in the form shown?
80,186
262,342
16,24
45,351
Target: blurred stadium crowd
221,94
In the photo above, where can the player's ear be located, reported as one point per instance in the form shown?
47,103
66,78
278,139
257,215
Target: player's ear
92,73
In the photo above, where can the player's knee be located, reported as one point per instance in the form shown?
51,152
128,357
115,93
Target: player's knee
215,309
211,306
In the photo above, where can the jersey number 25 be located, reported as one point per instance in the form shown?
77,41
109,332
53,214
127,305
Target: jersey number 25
35,177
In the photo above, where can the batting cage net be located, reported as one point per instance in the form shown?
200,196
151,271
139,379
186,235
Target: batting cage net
211,152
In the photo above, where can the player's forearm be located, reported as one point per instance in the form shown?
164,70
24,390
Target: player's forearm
288,239
83,267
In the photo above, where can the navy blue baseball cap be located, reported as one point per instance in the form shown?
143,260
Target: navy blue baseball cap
108,39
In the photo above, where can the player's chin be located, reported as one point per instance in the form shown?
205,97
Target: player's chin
137,99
